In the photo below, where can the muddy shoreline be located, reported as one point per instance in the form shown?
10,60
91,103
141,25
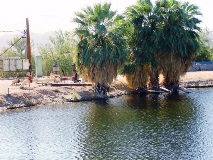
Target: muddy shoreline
39,95
198,84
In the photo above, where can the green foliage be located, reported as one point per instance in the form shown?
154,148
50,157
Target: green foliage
18,50
75,96
164,35
205,52
60,49
102,46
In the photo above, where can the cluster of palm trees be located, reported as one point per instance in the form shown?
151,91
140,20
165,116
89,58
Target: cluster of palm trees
146,41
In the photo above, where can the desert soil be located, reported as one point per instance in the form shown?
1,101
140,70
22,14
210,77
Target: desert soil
11,96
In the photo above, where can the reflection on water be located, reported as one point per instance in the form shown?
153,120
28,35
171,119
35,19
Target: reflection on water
129,127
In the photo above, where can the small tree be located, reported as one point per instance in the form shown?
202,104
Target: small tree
18,49
205,52
60,49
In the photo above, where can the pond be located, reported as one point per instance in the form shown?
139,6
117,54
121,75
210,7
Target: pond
128,127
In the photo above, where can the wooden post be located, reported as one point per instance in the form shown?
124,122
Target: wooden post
28,46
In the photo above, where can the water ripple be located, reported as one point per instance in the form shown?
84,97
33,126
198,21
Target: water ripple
128,127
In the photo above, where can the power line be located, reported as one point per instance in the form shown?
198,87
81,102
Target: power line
10,28
11,31
23,36
6,31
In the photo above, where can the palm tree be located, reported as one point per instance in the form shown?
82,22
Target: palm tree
164,40
144,45
180,37
102,46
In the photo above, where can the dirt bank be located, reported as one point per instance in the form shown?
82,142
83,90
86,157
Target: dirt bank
197,79
11,96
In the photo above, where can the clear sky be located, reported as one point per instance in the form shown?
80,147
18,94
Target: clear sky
52,15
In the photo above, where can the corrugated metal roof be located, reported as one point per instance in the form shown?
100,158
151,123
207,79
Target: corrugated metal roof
203,63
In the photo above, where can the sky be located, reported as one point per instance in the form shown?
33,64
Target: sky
52,15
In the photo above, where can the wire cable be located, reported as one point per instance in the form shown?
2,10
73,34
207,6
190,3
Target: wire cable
2,31
7,31
23,36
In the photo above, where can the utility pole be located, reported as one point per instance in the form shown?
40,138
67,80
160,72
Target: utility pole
28,46
29,52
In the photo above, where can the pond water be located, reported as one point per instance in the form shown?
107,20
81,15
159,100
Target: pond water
128,127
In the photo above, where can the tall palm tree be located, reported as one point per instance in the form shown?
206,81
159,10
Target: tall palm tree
102,46
164,40
140,16
180,37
